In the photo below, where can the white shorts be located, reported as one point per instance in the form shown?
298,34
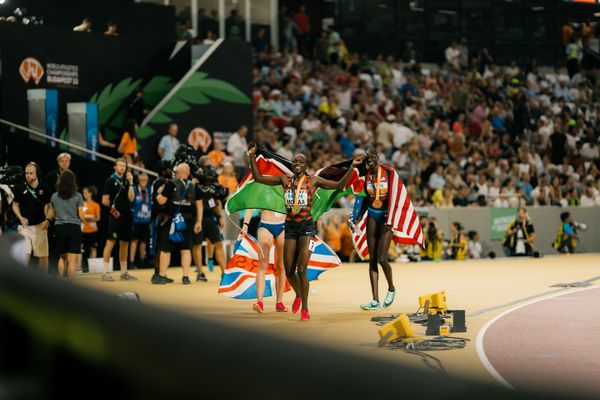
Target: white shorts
36,240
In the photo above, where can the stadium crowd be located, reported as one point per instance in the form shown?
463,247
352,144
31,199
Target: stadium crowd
467,133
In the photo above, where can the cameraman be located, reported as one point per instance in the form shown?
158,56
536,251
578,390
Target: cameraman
213,195
179,199
118,195
566,236
519,237
30,206
165,174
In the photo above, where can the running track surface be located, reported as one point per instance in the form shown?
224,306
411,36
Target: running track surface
551,345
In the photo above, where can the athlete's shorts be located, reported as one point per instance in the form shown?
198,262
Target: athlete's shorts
275,229
377,215
297,229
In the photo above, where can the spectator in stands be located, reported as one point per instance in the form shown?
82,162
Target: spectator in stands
217,155
137,108
30,206
169,144
333,234
333,45
89,227
237,147
453,55
67,210
86,26
520,235
179,199
302,22
227,178
128,144
111,29
117,197
141,209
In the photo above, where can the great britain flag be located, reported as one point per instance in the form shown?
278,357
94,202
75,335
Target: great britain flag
239,278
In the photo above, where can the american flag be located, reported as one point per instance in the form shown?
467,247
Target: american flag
402,217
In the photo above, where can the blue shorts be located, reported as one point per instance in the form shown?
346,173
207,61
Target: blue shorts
275,229
377,215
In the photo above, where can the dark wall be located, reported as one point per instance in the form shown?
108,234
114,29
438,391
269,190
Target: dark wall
100,61
150,20
512,30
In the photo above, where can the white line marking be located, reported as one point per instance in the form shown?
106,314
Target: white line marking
480,336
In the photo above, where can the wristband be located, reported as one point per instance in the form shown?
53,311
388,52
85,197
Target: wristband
245,223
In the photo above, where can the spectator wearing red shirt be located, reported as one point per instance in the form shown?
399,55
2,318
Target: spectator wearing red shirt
302,29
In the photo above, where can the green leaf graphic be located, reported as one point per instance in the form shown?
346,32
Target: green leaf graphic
175,106
223,91
161,118
156,89
145,131
197,90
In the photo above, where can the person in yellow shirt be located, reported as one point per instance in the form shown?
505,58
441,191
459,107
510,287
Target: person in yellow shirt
89,227
227,178
217,154
433,241
128,144
457,248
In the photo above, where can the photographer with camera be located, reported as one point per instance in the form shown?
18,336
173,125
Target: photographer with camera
566,235
181,216
118,196
519,237
213,195
30,206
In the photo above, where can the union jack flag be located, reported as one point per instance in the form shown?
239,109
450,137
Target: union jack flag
239,279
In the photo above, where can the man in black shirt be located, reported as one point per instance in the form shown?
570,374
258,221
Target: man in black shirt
64,163
117,196
30,205
165,173
212,195
178,196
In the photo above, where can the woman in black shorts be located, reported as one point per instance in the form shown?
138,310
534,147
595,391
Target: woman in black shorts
67,209
299,224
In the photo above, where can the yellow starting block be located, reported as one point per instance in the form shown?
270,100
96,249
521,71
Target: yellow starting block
397,329
434,303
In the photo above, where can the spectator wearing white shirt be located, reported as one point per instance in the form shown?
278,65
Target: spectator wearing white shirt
436,180
474,249
237,147
589,150
453,55
591,197
402,134
169,144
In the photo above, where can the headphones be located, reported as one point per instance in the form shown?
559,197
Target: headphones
38,170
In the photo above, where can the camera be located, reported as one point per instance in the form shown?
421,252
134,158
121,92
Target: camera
11,175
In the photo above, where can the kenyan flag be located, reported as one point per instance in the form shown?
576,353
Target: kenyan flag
254,195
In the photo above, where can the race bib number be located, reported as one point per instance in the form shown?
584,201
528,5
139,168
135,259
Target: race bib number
289,198
211,203
303,198
311,246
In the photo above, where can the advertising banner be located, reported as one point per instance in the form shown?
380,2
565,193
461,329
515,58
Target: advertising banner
500,218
